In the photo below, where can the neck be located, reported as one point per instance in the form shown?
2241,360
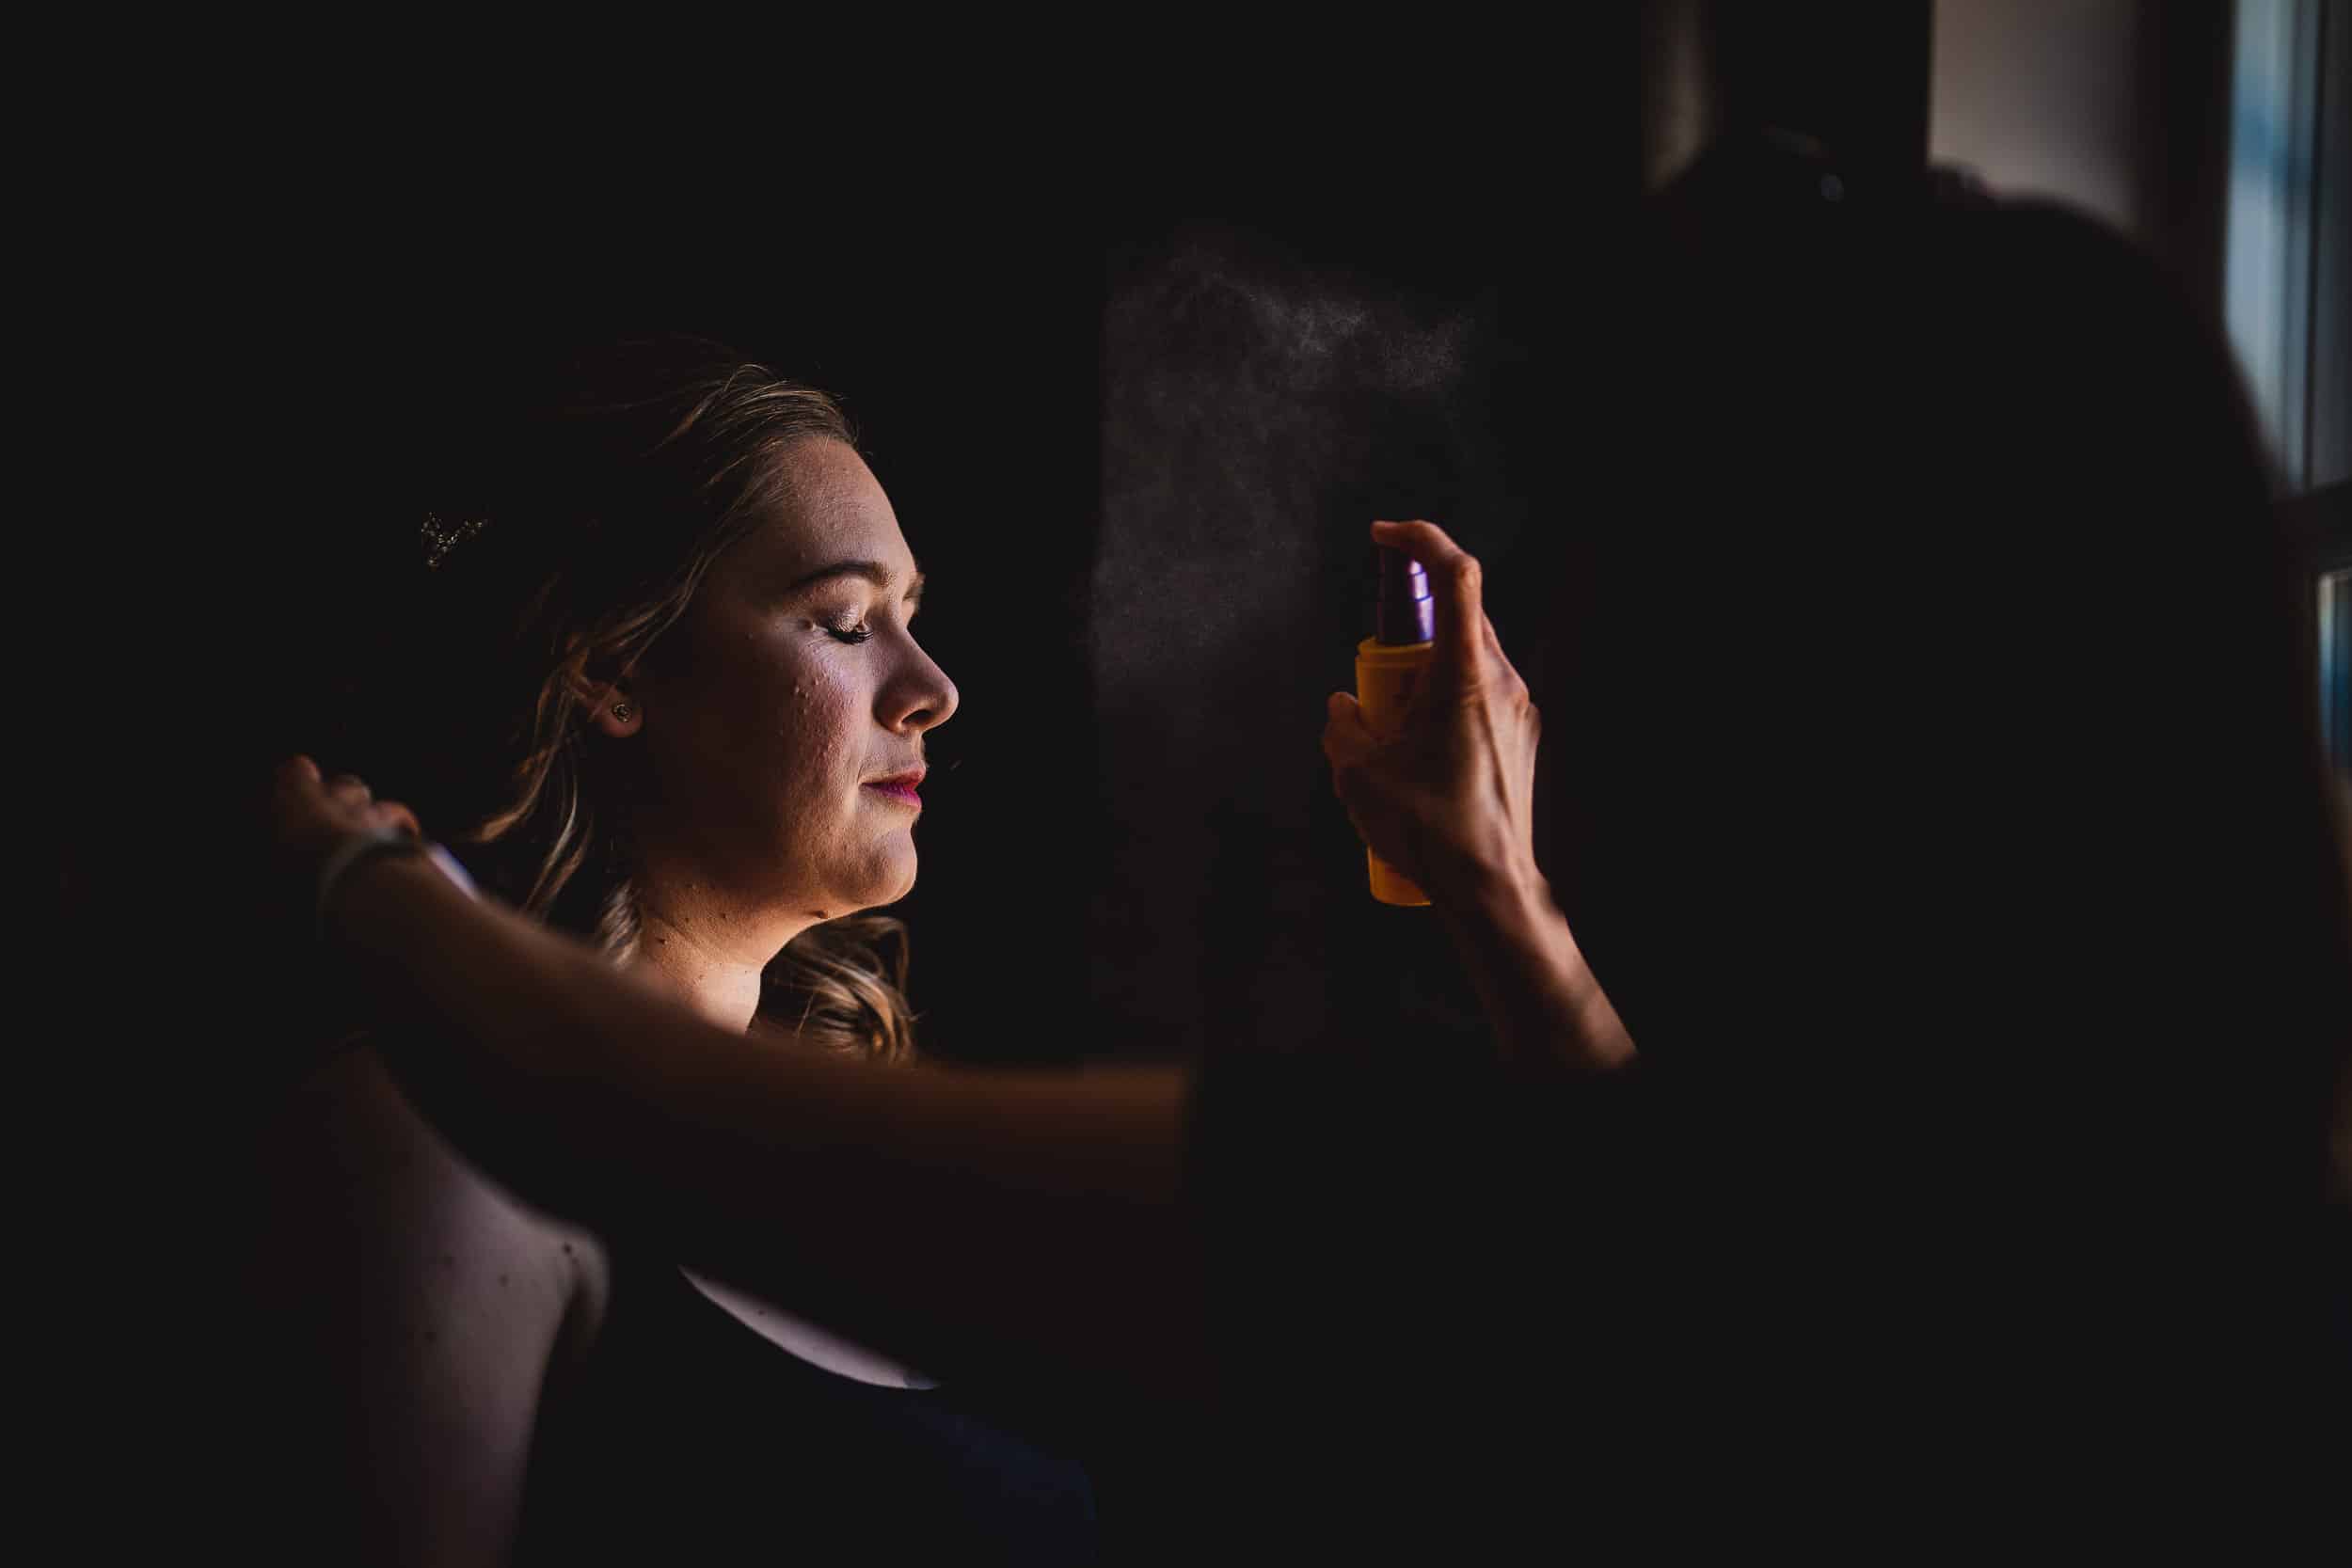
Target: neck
705,947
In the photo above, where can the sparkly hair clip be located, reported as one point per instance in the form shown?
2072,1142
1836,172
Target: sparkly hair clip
441,537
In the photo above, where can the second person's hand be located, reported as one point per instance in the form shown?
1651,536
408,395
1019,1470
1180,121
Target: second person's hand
1448,799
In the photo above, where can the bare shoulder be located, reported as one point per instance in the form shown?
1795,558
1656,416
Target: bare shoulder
358,1162
420,1311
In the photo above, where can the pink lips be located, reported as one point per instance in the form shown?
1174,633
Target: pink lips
902,788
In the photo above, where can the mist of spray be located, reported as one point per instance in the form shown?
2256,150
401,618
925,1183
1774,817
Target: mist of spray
1259,412
1240,394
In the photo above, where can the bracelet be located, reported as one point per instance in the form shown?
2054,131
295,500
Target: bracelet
452,870
378,841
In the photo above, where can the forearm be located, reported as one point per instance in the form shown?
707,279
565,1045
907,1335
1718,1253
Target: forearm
1540,996
543,1017
947,1214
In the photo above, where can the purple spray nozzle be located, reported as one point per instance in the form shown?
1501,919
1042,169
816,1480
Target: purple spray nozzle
1403,612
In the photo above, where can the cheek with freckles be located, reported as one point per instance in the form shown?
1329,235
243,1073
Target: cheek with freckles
734,726
853,851
791,717
768,738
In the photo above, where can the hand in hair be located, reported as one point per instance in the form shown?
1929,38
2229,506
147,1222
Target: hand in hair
310,820
310,815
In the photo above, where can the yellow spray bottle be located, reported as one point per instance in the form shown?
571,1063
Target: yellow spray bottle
1388,666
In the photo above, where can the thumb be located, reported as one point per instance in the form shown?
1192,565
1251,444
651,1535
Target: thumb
391,813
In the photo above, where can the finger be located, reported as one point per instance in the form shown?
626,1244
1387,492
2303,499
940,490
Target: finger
1346,738
1456,582
391,813
295,778
350,789
293,782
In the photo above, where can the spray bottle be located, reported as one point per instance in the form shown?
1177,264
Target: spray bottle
1388,666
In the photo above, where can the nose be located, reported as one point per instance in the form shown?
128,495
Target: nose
924,698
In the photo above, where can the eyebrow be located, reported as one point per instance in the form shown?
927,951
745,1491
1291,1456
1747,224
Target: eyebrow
872,571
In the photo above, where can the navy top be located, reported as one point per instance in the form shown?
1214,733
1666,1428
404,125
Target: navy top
684,1432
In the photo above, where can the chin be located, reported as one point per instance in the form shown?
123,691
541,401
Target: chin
883,884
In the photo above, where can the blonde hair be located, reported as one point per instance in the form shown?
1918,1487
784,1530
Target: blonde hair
653,457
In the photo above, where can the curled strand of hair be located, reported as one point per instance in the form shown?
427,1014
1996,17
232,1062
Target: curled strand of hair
850,978
619,923
547,734
564,856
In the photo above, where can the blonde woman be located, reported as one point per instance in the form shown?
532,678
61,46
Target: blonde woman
685,713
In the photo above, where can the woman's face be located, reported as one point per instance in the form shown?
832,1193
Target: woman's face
793,683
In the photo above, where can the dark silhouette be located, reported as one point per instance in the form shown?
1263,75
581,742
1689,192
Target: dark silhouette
1930,739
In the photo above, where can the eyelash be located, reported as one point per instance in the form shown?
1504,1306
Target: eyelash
853,635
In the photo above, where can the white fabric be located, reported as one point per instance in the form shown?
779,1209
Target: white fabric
796,1335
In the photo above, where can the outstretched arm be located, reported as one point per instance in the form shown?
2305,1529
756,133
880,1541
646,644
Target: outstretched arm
949,1214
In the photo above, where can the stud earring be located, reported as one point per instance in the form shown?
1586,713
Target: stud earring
620,710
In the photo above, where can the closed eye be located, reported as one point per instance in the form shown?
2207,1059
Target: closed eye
860,631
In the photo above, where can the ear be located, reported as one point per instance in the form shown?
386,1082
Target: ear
613,707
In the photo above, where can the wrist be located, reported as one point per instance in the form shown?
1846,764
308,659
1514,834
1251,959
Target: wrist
1525,961
1511,893
350,852
365,854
